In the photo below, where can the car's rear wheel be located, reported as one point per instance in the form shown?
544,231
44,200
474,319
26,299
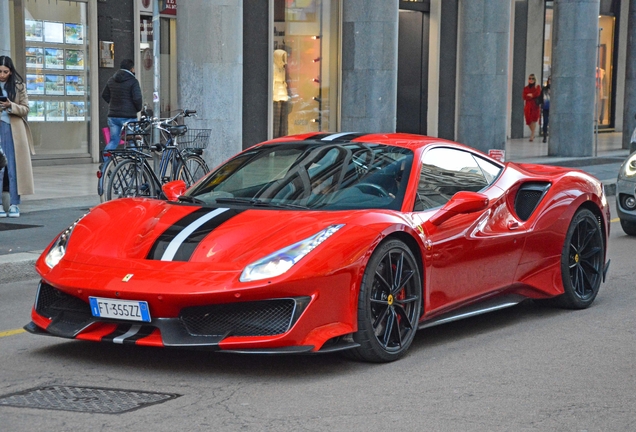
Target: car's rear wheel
582,261
628,227
389,304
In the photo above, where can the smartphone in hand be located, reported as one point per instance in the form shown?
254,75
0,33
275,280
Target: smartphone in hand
3,99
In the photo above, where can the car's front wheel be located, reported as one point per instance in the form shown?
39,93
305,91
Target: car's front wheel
389,304
628,227
582,261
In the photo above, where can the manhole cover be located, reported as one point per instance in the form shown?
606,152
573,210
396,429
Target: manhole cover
85,399
4,226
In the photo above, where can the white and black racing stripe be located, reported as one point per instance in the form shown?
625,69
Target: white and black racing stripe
337,137
128,333
179,241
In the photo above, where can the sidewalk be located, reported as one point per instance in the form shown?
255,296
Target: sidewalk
66,186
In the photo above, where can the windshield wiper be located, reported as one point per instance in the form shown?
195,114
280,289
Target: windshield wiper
259,203
191,199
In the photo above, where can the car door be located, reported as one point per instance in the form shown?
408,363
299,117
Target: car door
472,254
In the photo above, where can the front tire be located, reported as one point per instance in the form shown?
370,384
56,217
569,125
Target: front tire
628,227
582,261
389,304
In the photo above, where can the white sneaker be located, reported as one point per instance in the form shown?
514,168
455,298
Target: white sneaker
14,211
2,213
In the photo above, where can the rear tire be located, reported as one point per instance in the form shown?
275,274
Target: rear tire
582,261
104,181
129,179
628,227
389,304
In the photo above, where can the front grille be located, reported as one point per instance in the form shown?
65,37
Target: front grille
51,302
261,318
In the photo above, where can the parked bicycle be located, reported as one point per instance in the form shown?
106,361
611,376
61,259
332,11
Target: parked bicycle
135,137
180,159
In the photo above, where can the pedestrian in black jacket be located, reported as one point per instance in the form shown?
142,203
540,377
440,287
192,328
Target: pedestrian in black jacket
123,94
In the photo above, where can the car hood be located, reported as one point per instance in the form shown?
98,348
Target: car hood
152,231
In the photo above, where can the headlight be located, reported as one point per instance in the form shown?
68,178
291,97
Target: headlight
280,261
628,169
57,251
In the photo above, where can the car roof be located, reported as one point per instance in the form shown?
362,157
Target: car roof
411,141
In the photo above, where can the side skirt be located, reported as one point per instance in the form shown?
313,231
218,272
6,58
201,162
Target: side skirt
474,309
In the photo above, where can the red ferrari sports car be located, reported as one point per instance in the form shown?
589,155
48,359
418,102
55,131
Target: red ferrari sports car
326,242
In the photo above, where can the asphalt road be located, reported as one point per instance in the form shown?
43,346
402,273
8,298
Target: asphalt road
529,367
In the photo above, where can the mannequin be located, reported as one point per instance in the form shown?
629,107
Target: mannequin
280,93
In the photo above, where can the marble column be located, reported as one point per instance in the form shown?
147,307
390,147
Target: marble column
369,65
210,70
5,29
484,36
629,110
574,50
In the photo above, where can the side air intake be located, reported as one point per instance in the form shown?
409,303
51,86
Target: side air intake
528,197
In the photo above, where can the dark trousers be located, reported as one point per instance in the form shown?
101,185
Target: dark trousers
546,119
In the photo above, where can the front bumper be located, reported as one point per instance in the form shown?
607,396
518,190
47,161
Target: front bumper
625,188
286,317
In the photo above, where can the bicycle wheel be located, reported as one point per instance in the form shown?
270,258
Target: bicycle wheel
103,180
192,169
130,178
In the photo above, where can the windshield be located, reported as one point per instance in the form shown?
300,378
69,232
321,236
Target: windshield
312,176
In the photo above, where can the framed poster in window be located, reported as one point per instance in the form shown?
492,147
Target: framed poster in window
54,111
36,110
75,85
74,59
35,84
53,58
75,111
34,57
53,32
33,31
54,84
74,33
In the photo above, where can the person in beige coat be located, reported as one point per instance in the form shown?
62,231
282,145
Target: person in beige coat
15,136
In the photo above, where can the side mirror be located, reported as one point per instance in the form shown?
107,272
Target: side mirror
461,203
174,189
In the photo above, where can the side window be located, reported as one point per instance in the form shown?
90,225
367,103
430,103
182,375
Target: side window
444,172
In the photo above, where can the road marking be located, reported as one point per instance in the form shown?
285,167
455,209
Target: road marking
615,220
11,332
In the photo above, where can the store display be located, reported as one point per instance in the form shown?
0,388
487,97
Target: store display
35,84
54,84
36,110
75,111
53,32
54,111
56,73
33,30
34,57
74,33
74,85
74,59
53,58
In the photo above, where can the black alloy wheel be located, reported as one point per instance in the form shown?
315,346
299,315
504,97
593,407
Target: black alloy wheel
389,304
582,261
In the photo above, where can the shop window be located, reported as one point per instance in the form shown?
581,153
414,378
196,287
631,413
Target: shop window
56,59
305,66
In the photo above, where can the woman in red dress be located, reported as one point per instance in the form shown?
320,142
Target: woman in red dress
532,109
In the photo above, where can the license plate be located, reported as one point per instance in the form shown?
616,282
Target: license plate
130,310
